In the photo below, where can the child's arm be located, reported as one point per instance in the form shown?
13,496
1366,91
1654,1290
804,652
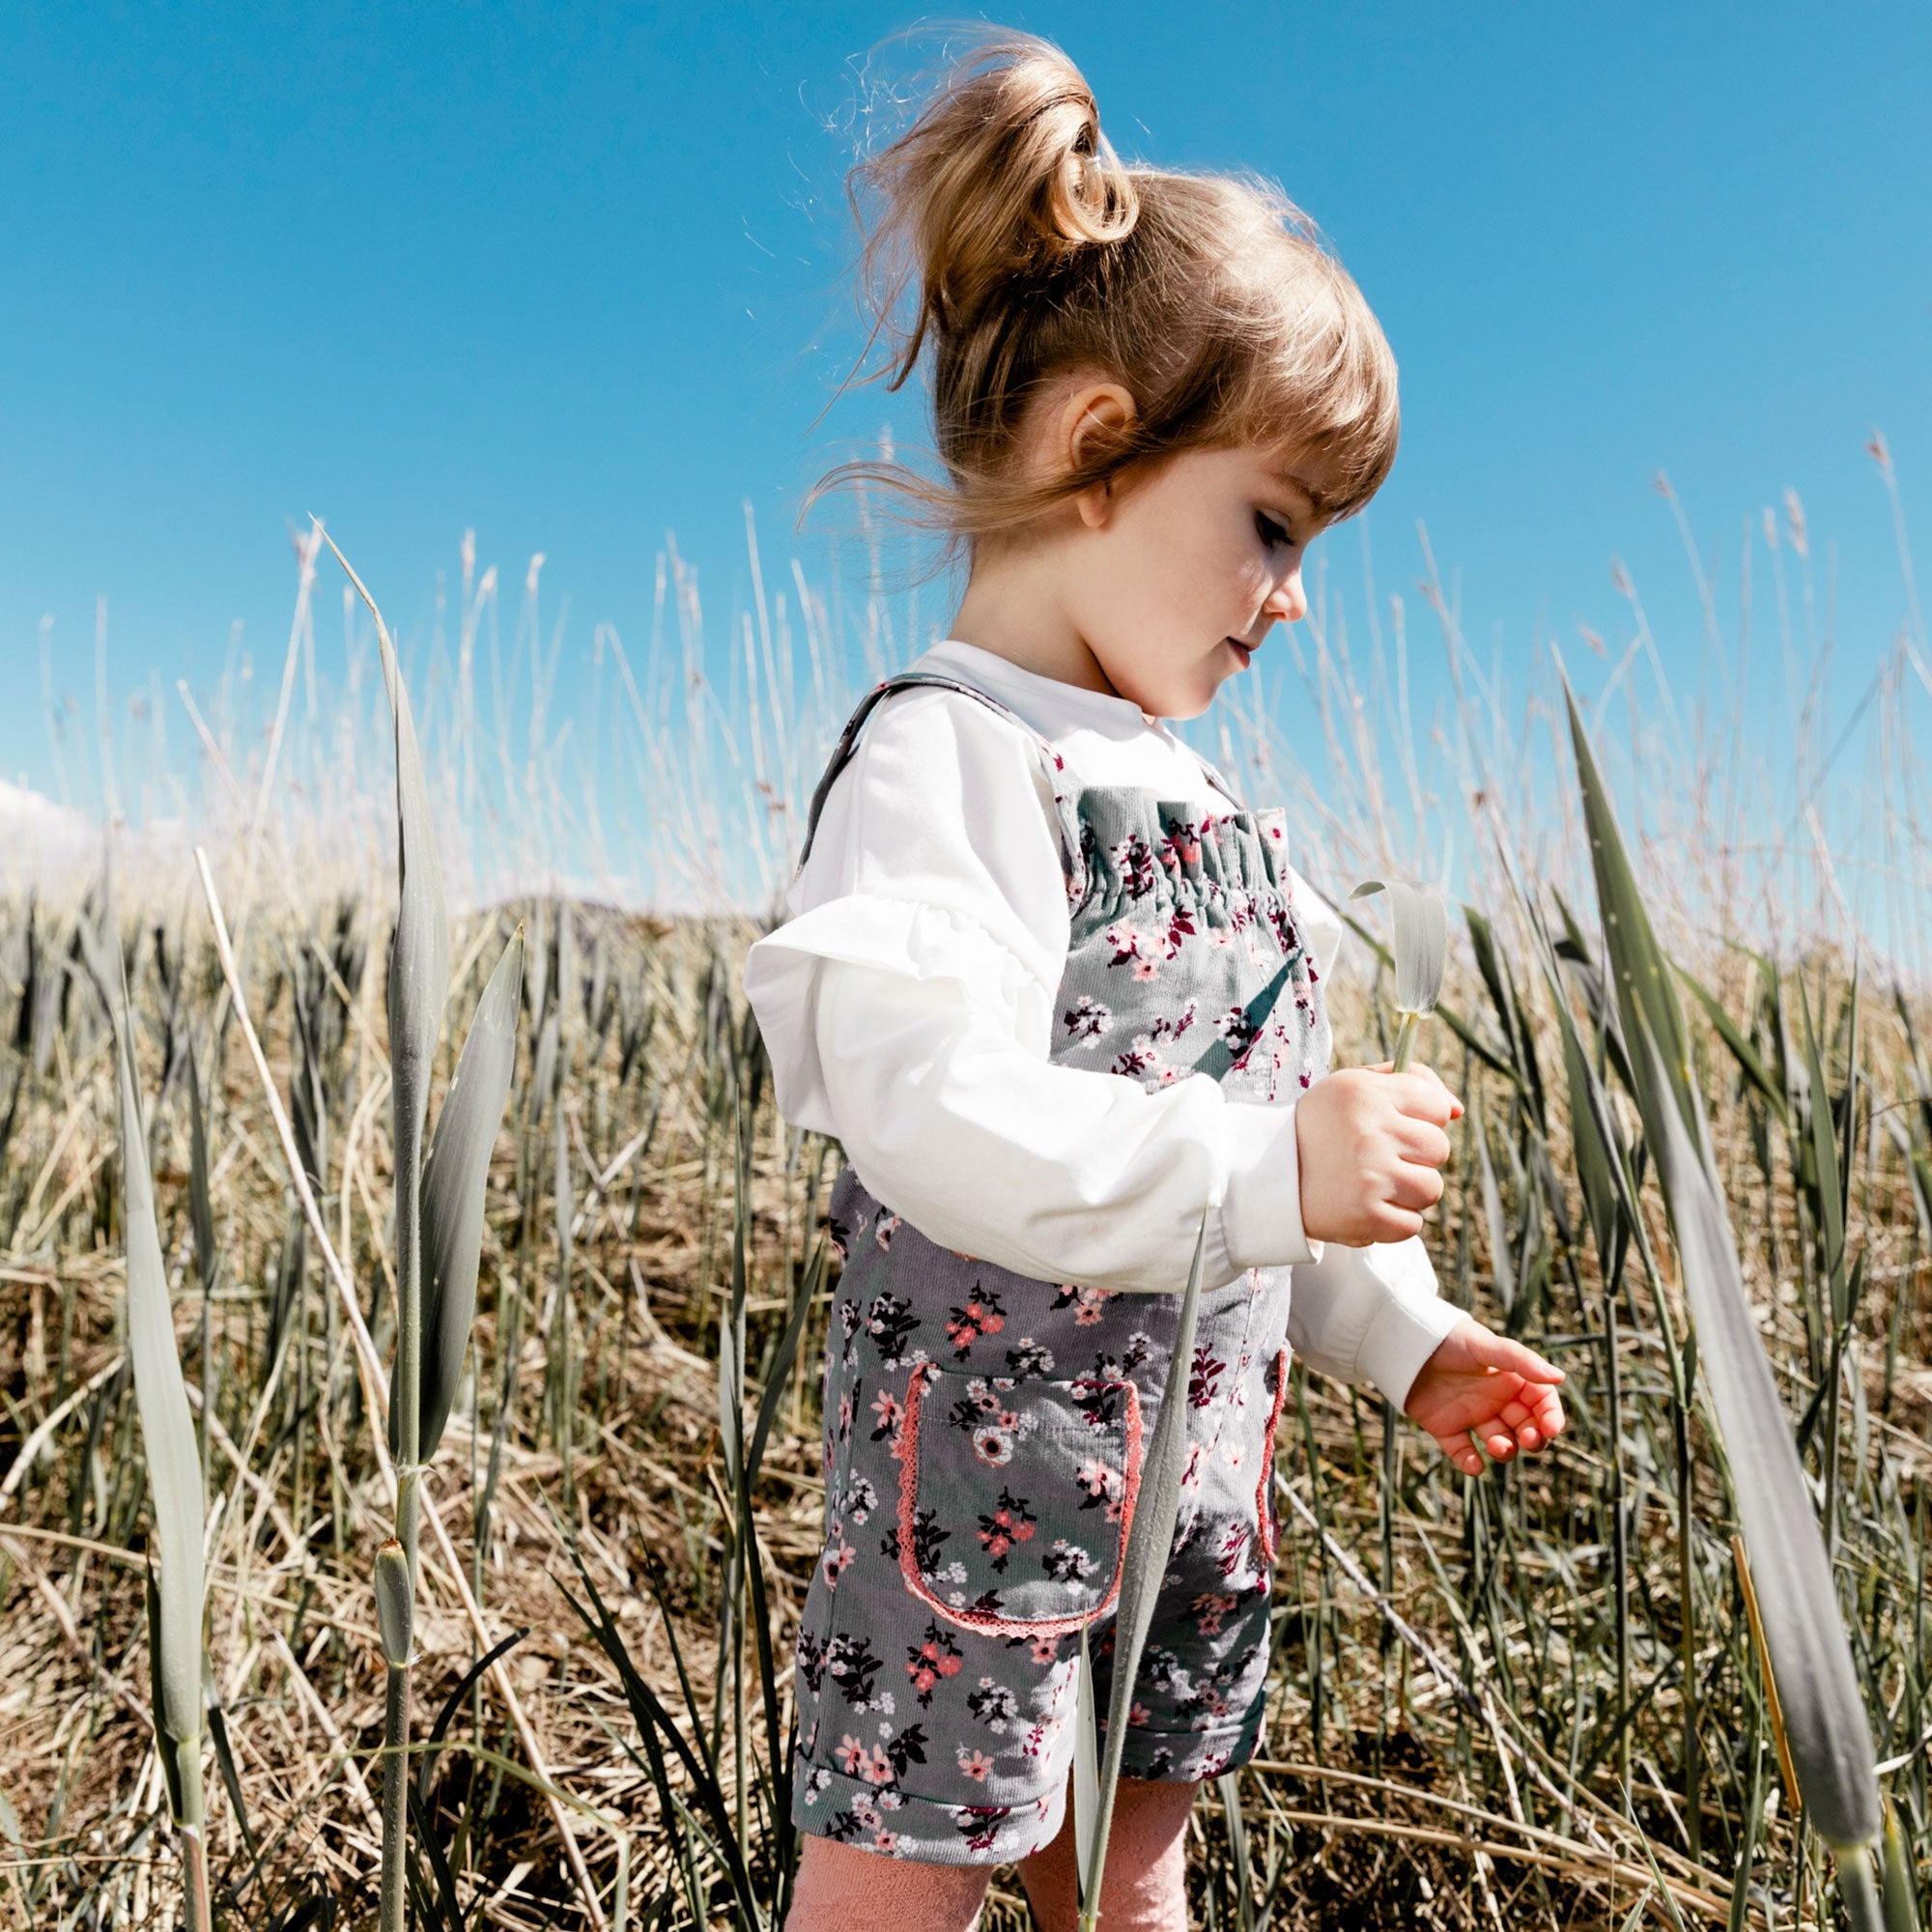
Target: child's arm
1369,1315
908,1008
1055,1172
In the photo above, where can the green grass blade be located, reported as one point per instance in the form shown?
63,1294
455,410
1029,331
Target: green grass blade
1805,1632
1741,1051
1639,968
454,1178
167,1431
1144,1564
1086,1771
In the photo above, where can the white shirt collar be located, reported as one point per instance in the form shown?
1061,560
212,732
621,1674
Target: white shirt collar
1052,707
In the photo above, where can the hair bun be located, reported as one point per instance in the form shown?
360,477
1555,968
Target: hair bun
1005,175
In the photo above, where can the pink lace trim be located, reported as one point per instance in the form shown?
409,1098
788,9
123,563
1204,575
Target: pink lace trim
1269,1530
986,1620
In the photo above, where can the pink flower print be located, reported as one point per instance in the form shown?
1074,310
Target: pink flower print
1045,1649
886,1407
1127,941
1133,858
845,1416
886,1842
1138,1714
982,1314
851,1755
1103,1485
1210,1608
1089,1304
1146,969
875,1768
976,1764
1087,1019
1181,846
837,1559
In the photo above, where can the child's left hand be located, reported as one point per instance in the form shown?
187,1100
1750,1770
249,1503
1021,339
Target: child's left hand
1480,1384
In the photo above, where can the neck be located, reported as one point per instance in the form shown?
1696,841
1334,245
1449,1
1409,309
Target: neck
1012,609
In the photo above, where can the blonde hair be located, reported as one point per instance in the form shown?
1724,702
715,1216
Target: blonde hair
1006,245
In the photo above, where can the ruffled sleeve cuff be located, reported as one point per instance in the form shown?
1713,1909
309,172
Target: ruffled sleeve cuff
910,937
1401,1337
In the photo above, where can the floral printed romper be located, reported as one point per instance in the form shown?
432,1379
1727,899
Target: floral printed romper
984,1430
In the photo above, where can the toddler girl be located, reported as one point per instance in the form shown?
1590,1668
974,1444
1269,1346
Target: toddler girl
1058,991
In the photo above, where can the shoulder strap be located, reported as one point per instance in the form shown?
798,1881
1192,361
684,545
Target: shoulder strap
1067,823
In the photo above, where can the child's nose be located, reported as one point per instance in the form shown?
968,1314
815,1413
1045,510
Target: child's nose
1287,602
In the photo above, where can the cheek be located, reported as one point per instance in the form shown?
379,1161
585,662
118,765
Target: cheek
1189,566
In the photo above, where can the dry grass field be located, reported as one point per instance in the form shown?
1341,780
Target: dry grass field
1533,1698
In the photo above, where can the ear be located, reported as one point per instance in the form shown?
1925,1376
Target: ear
1093,415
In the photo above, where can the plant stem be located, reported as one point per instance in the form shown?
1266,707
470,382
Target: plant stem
395,1792
1404,1040
193,1824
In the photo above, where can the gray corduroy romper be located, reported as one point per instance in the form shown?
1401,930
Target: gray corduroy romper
984,1430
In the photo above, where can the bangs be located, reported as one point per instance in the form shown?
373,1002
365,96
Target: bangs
1320,390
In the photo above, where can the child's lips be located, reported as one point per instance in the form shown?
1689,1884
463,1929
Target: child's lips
1245,652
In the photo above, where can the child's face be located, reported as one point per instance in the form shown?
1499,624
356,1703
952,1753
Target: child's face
1178,575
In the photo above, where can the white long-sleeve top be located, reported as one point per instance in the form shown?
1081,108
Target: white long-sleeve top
906,1004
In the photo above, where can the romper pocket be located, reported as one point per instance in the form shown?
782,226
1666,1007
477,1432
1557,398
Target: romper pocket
1267,1525
1015,1497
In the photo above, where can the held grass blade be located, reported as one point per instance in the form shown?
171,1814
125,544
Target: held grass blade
1805,1632
1421,953
1143,1566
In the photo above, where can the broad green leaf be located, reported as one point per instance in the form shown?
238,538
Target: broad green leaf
1741,1051
1144,1566
418,988
1502,1264
1805,1633
1639,968
1593,1160
1086,1770
454,1176
1825,1153
1901,1882
167,1432
200,1202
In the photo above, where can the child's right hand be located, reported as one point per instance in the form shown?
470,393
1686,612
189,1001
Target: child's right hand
1369,1142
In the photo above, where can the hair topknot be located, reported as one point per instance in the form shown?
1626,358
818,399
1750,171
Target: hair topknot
1003,178
1006,245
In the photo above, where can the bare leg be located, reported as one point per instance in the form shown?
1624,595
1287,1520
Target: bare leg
1145,1886
844,1888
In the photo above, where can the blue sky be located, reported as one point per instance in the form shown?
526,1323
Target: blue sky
571,275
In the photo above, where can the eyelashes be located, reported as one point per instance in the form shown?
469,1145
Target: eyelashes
1271,533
